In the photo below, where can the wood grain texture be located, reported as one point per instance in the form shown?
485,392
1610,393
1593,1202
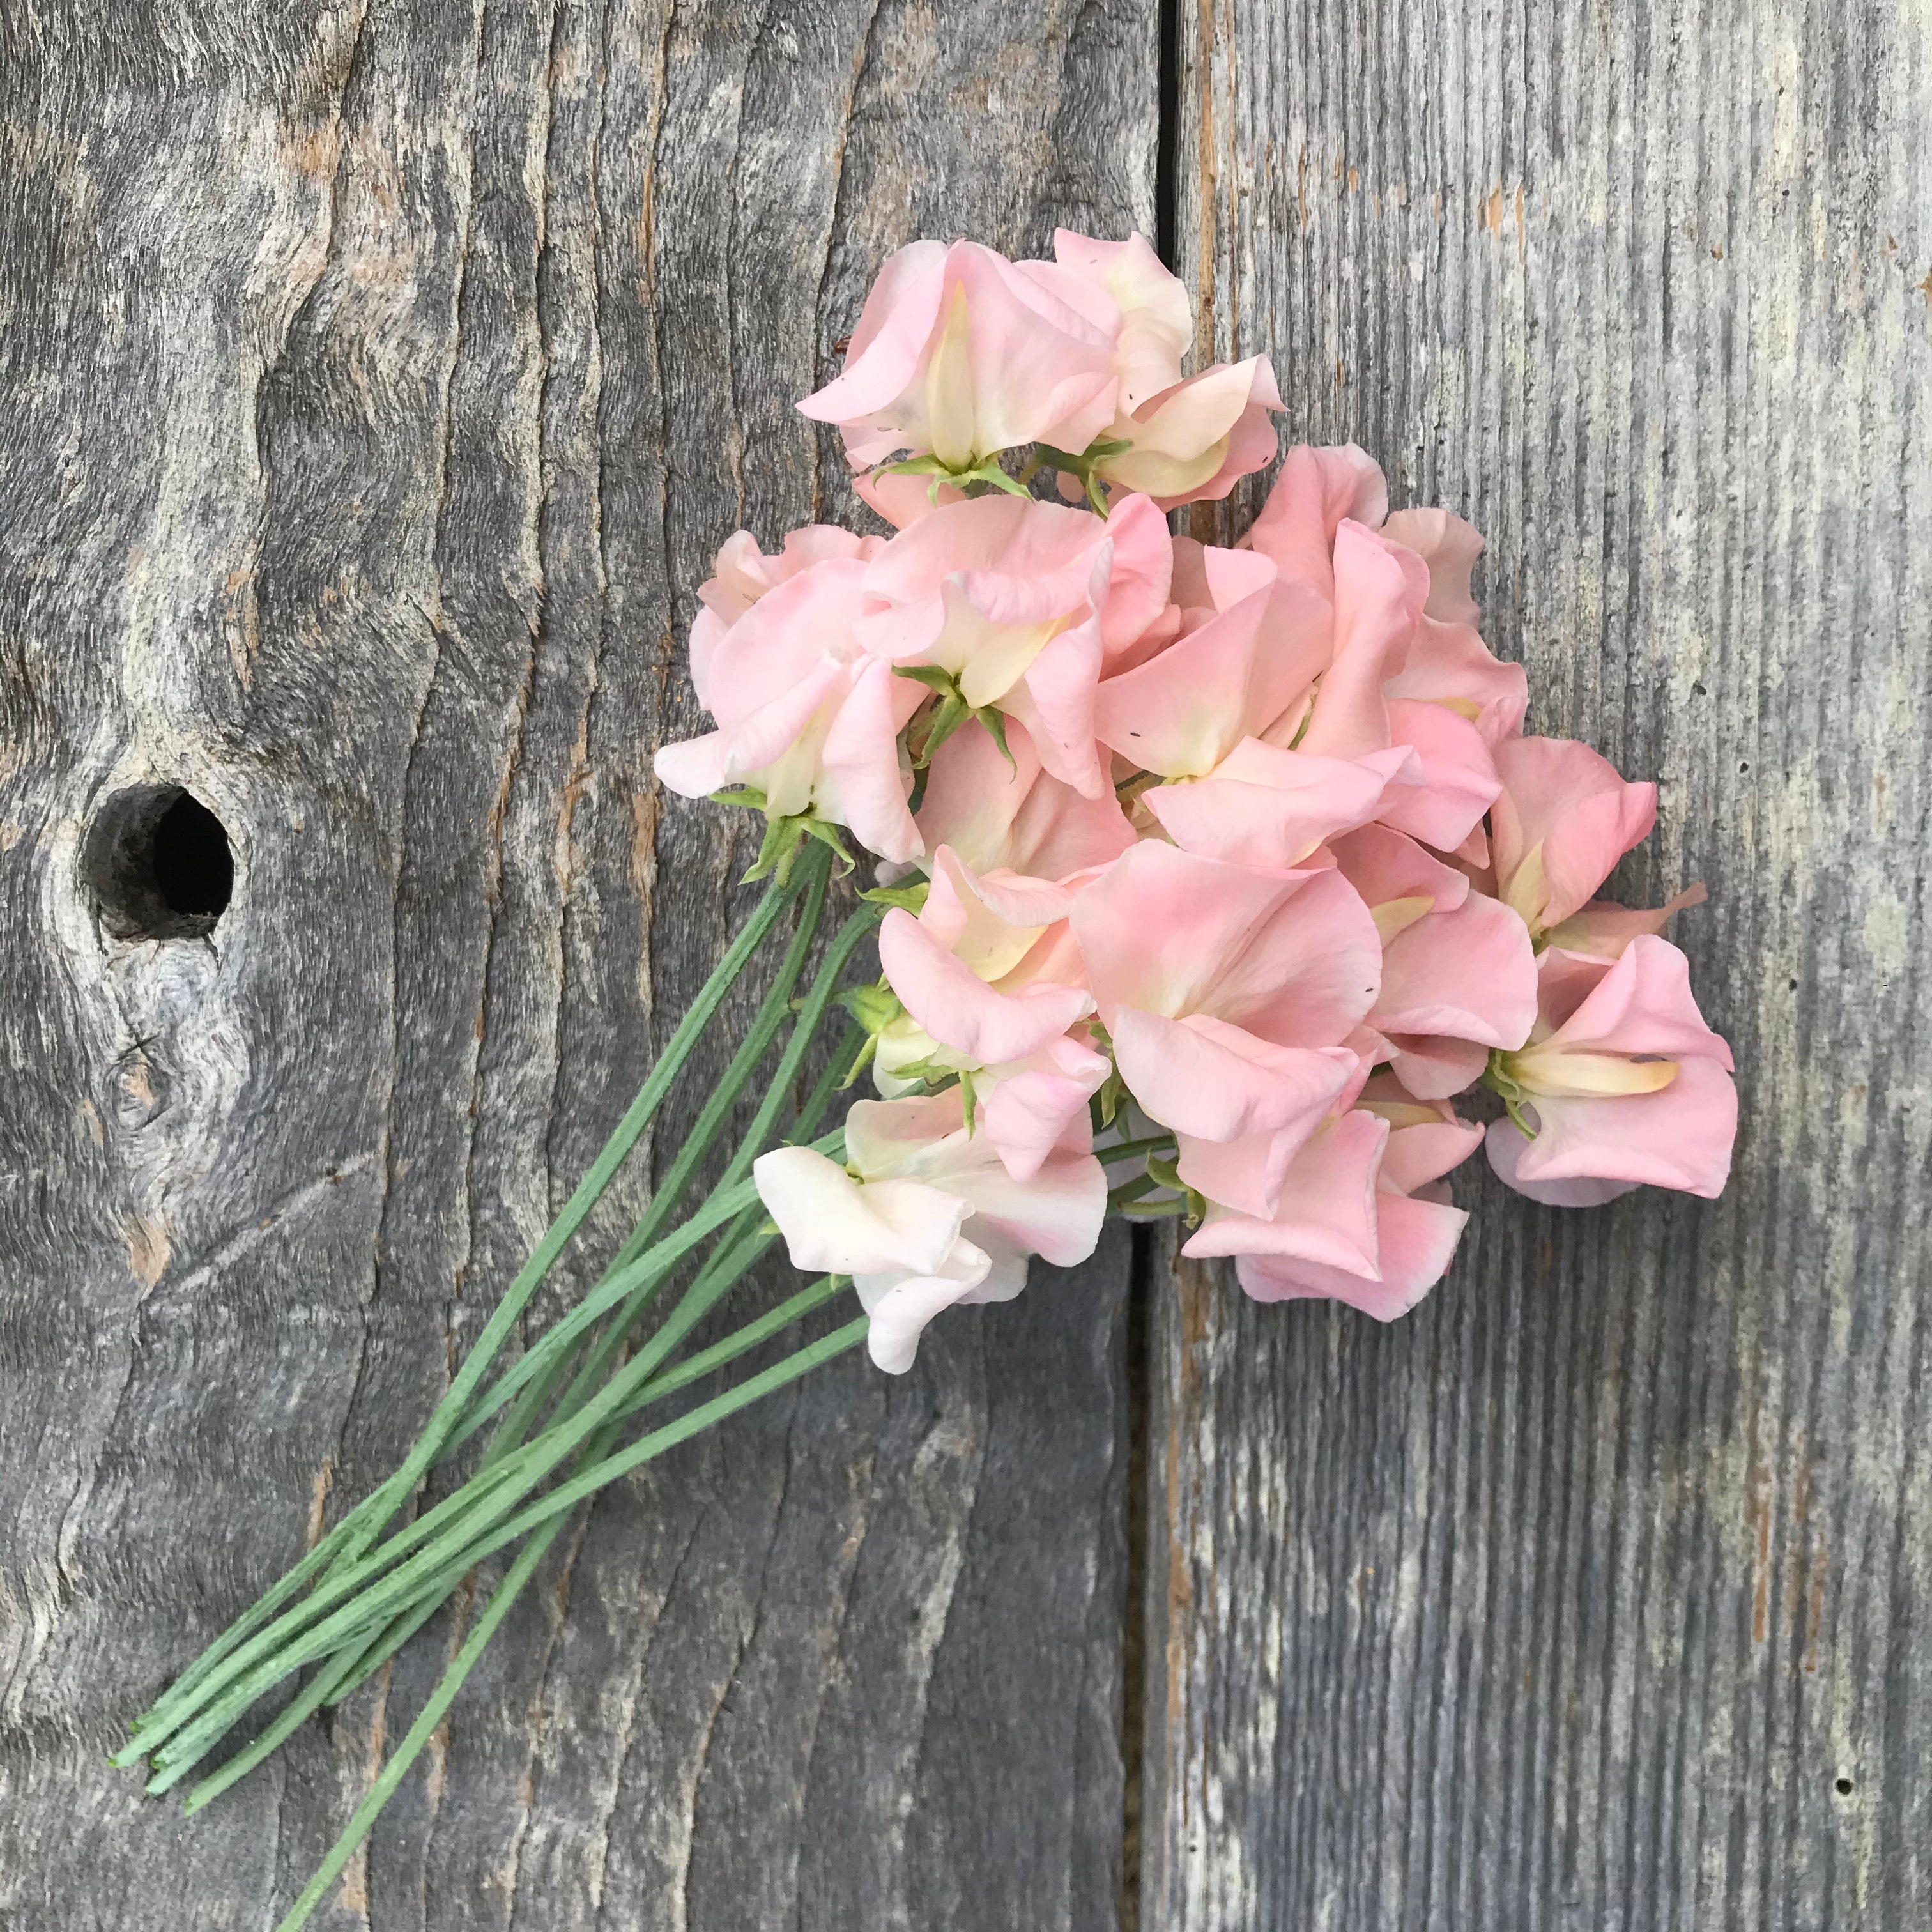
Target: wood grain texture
379,380
1596,1593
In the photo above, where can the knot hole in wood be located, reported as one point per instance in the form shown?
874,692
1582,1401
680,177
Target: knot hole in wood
158,863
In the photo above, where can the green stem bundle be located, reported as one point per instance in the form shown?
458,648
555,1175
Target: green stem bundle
352,1601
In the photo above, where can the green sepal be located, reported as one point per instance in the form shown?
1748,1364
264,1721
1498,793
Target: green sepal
910,896
1498,1079
1167,1173
969,1101
996,730
785,836
875,1007
953,712
739,795
931,675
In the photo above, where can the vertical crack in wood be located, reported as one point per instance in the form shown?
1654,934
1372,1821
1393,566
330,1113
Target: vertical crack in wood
1135,1649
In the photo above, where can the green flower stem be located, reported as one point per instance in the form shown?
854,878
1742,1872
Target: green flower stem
280,1639
548,1512
856,930
354,1665
739,1247
356,1530
547,1361
1134,1150
346,1677
345,1602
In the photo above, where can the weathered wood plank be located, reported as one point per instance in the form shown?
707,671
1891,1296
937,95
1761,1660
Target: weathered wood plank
379,380
1596,1593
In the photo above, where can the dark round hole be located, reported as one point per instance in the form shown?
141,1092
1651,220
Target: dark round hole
158,862
1843,1787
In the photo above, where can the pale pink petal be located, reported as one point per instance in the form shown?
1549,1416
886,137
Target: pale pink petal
1678,1137
1060,684
1267,807
1563,819
900,316
1379,588
1450,665
1506,1144
1450,547
1156,317
1469,972
1417,1242
695,767
1040,1104
866,787
1057,1213
1642,1005
995,815
1179,714
1202,1077
1140,568
1315,491
1178,440
1039,369
1384,864
1603,929
1293,958
1459,780
900,1306
959,1009
1415,1157
831,1224
1252,444
1328,1205
1435,1067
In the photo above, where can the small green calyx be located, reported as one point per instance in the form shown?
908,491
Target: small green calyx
975,479
784,839
946,717
909,897
1498,1077
1083,467
874,1007
1192,1204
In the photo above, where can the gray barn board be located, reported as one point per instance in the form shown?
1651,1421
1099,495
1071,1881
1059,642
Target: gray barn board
376,382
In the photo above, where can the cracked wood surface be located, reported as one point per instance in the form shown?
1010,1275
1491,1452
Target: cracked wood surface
1596,1593
379,379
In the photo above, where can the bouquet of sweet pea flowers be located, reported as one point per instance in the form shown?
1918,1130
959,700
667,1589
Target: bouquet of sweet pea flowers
1218,885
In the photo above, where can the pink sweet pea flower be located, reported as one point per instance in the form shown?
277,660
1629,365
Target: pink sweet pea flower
1198,439
1264,806
960,354
1005,813
1188,438
1448,664
1315,493
1156,325
1562,821
928,1216
1227,991
1023,602
1378,589
1459,972
804,713
743,574
1237,666
976,971
1624,1082
1363,1215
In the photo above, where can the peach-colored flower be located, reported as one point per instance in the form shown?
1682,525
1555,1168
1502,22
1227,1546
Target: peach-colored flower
1622,1079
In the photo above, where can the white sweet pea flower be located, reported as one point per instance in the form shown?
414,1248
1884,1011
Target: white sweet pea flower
927,1216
